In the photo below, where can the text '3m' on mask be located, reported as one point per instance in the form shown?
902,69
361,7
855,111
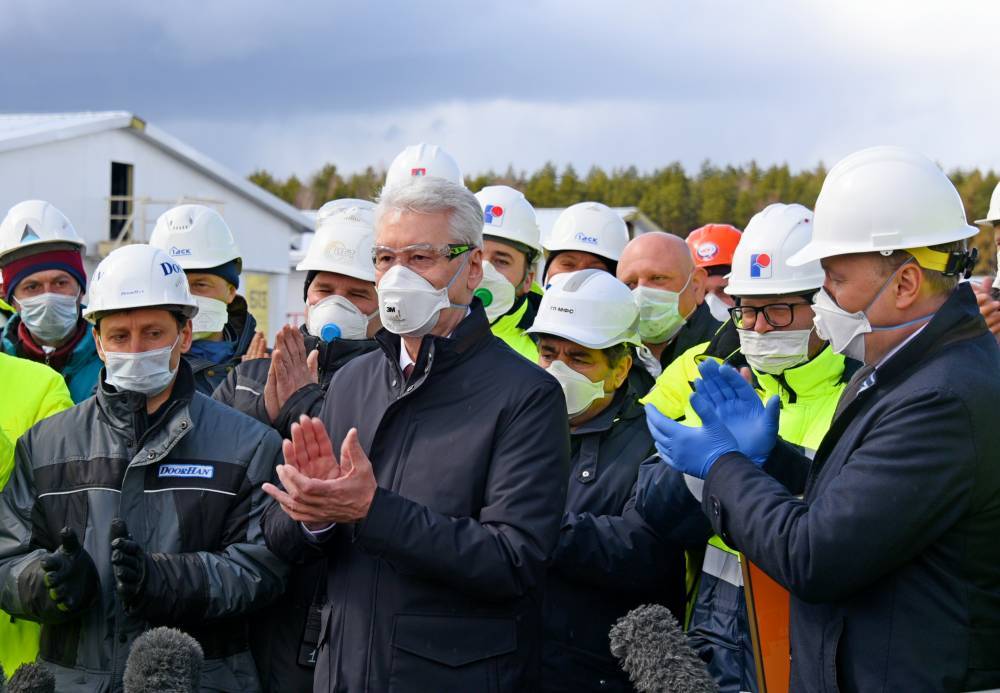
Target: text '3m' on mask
409,305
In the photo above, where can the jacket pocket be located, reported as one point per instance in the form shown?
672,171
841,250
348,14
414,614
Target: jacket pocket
449,653
831,642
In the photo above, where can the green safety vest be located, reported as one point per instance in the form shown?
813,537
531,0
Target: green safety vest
510,329
41,392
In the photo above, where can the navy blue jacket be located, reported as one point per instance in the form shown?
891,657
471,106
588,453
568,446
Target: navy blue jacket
439,587
891,555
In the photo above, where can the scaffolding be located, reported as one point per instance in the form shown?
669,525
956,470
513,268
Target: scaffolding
136,215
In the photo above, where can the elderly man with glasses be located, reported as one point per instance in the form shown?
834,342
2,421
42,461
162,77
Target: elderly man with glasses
445,495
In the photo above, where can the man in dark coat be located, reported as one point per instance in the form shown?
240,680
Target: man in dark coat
889,554
608,560
447,497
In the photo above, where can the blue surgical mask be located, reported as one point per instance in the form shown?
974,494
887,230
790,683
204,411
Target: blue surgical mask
50,318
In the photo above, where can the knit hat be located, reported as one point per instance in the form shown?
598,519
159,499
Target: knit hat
230,271
69,261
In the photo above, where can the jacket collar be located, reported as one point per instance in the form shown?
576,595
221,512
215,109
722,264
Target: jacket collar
815,378
624,405
957,320
25,347
444,352
127,410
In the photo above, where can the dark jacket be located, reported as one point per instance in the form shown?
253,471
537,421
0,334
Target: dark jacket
438,589
211,361
190,496
890,557
608,561
243,388
284,635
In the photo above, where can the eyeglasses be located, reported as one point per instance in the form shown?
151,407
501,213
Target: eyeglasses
776,315
419,256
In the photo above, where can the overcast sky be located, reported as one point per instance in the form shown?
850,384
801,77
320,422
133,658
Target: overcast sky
290,85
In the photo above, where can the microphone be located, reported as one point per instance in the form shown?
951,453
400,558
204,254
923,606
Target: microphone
164,660
32,678
653,651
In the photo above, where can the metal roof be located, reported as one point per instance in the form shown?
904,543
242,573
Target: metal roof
20,130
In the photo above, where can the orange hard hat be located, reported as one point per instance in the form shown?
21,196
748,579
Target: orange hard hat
713,244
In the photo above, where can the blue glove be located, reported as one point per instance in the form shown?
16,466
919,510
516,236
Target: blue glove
688,449
732,400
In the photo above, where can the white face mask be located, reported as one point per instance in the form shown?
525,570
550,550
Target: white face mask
580,391
496,292
409,304
145,372
846,331
776,351
49,317
212,316
717,307
659,312
335,317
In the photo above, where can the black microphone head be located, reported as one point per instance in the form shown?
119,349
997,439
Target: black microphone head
164,660
653,651
32,678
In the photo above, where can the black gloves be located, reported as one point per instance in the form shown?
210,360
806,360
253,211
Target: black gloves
70,575
128,562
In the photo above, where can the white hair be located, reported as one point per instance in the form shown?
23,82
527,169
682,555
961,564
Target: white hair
429,195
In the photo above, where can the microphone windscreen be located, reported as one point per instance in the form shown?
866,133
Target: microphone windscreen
164,660
32,678
653,651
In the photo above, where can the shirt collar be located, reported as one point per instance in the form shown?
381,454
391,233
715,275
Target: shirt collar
404,355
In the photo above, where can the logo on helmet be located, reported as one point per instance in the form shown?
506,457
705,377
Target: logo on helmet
760,266
169,268
179,252
584,238
493,215
29,235
707,251
415,172
561,309
339,251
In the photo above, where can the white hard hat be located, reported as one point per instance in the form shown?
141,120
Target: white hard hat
760,263
138,276
423,160
345,236
884,198
589,307
992,216
195,237
507,214
591,227
33,226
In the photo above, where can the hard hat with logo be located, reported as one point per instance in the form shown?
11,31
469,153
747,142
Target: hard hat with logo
713,244
196,237
760,263
589,307
138,276
591,227
423,160
508,215
35,226
343,242
885,199
992,216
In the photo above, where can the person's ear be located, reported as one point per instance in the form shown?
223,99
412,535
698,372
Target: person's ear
186,337
230,293
699,280
475,268
909,280
529,279
620,372
97,342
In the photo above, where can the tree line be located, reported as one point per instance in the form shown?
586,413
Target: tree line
678,201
